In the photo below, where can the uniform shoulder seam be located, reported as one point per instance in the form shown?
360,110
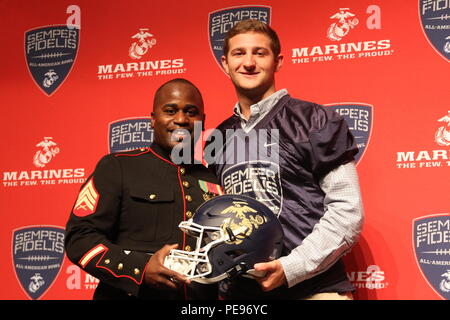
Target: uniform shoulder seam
132,153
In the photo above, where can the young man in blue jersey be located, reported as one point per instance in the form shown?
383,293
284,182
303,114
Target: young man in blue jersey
309,178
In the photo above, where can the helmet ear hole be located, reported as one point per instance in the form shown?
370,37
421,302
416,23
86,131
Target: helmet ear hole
235,254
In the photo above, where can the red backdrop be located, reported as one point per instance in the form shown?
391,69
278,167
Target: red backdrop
65,89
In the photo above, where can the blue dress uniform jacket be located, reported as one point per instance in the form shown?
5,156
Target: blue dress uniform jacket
129,208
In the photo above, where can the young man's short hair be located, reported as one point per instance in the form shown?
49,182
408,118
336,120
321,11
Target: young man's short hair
252,25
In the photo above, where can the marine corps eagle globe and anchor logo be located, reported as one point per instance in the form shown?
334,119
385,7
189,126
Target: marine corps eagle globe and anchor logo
242,224
49,150
145,41
346,21
442,135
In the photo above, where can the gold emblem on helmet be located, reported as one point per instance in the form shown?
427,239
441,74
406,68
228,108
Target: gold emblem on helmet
243,223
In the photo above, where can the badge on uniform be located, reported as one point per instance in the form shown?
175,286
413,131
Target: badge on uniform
87,200
210,189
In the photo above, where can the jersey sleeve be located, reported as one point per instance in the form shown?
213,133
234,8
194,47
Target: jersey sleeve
330,142
91,228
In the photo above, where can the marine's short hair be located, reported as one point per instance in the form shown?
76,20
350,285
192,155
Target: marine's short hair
253,25
176,80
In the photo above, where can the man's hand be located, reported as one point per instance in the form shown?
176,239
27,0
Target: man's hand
158,276
274,275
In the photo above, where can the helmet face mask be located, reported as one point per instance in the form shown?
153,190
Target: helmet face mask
195,264
232,232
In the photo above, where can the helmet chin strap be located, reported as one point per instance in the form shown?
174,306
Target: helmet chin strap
237,270
210,280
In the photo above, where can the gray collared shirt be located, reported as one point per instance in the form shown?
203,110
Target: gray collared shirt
258,110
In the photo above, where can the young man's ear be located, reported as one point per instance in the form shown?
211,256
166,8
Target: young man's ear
279,61
224,64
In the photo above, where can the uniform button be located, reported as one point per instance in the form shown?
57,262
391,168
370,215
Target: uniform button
186,184
120,266
189,214
182,171
188,198
107,261
188,248
152,196
137,271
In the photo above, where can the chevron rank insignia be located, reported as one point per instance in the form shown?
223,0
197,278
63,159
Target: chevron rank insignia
87,200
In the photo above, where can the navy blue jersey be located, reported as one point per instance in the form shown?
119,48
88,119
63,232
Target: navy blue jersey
297,143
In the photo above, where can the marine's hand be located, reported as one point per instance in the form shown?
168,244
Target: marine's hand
274,276
158,276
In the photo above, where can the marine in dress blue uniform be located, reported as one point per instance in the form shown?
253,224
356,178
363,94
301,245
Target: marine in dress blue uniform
131,205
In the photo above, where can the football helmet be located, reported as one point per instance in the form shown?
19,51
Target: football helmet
233,232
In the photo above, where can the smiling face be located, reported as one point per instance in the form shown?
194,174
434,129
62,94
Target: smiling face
176,107
251,64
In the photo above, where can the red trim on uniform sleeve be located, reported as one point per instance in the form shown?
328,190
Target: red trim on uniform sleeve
142,272
91,254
